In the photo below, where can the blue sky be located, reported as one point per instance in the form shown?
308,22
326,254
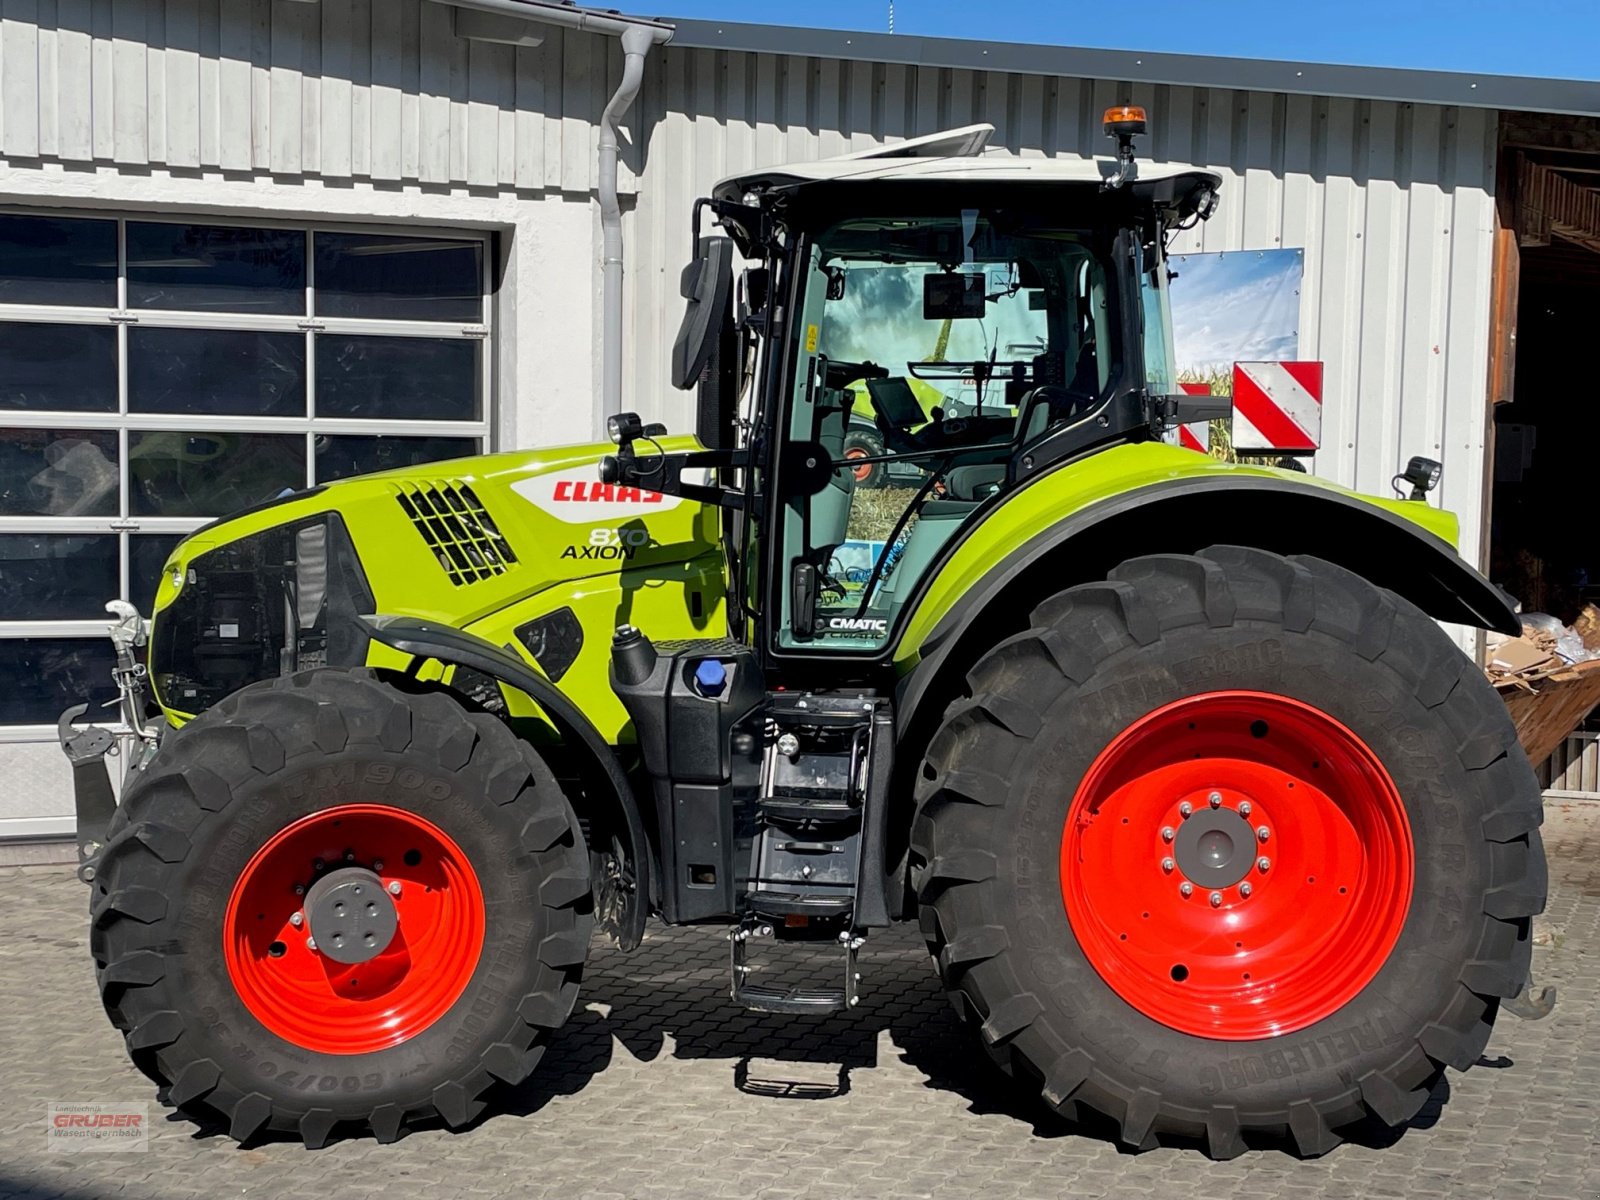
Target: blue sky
1555,38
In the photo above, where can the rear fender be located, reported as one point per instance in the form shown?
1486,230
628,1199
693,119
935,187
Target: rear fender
1275,511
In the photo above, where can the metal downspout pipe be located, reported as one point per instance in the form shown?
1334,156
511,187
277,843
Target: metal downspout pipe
637,36
636,43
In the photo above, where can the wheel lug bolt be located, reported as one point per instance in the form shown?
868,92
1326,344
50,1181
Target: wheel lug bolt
1185,809
394,887
377,864
297,919
1263,833
1245,889
349,856
1215,799
1167,865
1167,834
317,864
1216,899
1244,808
311,944
1186,890
299,889
1264,863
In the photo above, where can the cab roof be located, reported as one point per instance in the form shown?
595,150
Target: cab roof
955,155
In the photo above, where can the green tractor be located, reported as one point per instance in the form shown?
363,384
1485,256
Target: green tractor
1210,827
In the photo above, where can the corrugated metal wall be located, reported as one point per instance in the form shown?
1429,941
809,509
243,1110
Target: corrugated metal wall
376,89
1392,202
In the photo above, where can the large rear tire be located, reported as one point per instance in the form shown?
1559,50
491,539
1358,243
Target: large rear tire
261,827
1147,733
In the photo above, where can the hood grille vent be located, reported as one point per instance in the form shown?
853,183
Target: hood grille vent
458,529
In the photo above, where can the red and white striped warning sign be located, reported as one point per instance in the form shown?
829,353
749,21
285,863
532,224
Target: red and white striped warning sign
1195,436
1277,406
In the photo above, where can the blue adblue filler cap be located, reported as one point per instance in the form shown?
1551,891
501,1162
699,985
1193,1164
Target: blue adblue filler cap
710,676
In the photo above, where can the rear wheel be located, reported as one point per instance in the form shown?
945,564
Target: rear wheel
329,904
1230,845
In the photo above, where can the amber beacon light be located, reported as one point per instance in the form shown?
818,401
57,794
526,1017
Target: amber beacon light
1124,120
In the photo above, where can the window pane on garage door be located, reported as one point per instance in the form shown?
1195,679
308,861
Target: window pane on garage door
50,577
58,473
58,260
185,344
398,278
216,268
45,676
216,372
60,368
342,457
210,474
399,378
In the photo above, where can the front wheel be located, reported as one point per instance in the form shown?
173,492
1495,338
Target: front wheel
1230,845
331,905
863,441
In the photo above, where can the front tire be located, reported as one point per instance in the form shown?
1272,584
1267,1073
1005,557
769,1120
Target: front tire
863,441
329,805
1296,985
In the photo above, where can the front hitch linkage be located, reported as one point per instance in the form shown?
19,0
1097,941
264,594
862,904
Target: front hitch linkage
86,749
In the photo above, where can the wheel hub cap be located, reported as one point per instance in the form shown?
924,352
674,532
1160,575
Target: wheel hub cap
1237,865
351,916
1215,848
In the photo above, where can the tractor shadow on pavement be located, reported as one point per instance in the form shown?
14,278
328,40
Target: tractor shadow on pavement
671,996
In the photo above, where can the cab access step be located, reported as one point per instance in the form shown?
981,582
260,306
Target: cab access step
769,805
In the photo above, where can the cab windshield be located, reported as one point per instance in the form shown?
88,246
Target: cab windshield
933,351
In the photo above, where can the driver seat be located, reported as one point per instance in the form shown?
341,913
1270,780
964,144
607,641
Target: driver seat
1042,411
830,508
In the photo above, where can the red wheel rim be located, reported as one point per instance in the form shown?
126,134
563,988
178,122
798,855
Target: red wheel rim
862,473
307,998
1286,943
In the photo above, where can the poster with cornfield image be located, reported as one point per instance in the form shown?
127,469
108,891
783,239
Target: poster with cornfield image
1233,306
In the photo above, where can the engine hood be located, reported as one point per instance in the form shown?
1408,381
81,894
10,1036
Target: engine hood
458,540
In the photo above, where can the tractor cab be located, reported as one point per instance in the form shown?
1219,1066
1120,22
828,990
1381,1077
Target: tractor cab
916,332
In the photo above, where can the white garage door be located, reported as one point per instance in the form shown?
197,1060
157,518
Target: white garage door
157,374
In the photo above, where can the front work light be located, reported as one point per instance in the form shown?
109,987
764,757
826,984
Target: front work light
623,427
1422,474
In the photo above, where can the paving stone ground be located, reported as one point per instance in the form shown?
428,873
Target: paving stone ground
661,1087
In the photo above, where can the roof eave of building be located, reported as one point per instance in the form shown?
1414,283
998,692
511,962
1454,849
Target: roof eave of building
1573,96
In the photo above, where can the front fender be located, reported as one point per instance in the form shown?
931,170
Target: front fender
425,640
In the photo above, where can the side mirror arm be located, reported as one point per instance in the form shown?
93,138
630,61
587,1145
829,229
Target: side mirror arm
1169,411
663,472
